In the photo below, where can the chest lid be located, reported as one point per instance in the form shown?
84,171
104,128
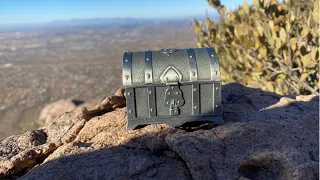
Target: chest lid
170,66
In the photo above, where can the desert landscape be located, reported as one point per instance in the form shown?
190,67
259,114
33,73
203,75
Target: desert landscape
63,111
77,59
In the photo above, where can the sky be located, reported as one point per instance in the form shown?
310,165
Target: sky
37,11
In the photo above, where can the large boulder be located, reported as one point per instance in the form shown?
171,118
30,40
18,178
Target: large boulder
266,136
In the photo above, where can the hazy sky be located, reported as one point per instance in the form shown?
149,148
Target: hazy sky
33,11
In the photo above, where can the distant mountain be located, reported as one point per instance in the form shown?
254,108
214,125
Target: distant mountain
93,22
99,21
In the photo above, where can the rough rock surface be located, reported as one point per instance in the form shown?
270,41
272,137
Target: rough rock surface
55,109
19,153
266,136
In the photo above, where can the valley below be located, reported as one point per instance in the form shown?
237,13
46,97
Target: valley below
41,64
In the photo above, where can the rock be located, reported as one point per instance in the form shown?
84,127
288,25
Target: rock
119,92
253,150
109,130
266,136
16,143
109,103
55,109
99,132
20,152
100,141
112,163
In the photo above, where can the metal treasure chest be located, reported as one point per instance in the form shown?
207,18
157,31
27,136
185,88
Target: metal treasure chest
172,86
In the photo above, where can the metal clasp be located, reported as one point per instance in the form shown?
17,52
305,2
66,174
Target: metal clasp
171,76
174,99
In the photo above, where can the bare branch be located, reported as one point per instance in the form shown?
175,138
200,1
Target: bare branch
305,85
292,86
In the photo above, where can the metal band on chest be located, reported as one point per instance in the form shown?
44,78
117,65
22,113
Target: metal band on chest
216,97
195,98
192,65
131,102
148,79
148,75
214,64
152,102
127,69
193,78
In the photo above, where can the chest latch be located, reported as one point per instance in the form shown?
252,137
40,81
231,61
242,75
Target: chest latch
173,94
174,99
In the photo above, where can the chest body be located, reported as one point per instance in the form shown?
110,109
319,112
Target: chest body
172,86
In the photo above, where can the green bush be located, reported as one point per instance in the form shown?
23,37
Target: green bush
270,45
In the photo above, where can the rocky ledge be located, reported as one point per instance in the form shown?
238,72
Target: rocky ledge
266,136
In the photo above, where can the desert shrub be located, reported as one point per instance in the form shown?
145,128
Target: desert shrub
269,45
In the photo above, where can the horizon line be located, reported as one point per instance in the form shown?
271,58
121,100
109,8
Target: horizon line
115,17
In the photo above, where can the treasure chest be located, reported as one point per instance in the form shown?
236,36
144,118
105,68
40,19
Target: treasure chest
172,86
